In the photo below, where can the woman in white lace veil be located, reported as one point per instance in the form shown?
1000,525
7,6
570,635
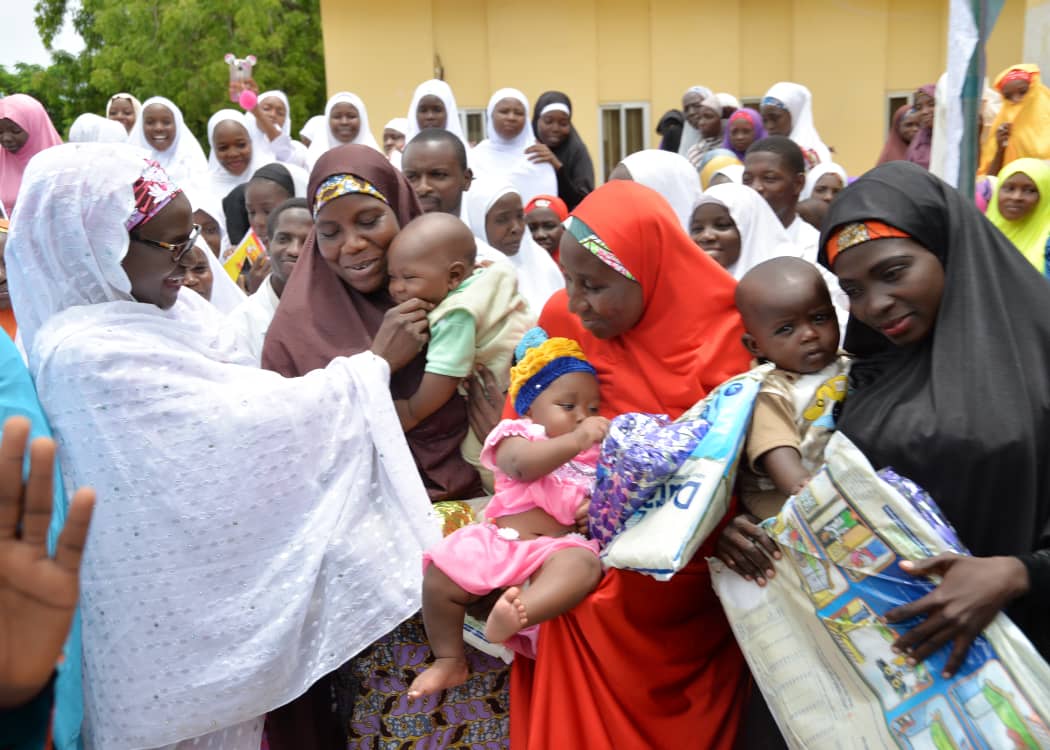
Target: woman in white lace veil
252,532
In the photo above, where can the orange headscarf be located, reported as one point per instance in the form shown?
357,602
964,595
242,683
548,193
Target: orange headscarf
1030,118
688,339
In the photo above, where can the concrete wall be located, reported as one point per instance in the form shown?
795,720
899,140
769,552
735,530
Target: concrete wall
851,53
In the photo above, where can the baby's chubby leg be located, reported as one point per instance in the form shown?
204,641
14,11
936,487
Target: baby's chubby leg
444,606
562,582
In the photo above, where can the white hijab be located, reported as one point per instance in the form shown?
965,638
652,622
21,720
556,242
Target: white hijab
799,102
497,158
828,167
203,199
442,91
314,128
326,140
281,148
222,180
735,173
690,135
538,275
136,105
762,236
91,128
189,588
184,159
671,175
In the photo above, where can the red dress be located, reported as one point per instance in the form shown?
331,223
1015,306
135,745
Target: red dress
642,663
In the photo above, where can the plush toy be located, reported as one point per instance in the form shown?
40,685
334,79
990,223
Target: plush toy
241,73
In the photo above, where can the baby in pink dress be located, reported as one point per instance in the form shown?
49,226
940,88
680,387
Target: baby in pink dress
544,465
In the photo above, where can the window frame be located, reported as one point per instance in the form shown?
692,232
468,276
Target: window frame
622,107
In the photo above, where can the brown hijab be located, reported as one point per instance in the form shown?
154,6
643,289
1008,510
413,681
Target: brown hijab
320,318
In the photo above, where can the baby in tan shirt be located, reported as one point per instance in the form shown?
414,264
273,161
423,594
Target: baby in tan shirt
790,321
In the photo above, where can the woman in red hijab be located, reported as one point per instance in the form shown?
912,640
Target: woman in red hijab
640,663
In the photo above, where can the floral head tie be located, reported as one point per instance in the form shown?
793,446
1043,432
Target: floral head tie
153,191
594,244
339,185
857,233
539,362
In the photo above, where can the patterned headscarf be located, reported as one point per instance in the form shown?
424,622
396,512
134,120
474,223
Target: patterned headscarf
153,191
856,233
339,185
541,361
594,245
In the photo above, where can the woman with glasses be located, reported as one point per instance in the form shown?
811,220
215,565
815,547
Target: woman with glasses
200,612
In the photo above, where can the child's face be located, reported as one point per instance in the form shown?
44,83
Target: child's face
505,224
770,177
546,228
158,126
233,146
741,134
565,403
714,231
1014,91
345,122
795,327
418,274
261,197
210,231
198,276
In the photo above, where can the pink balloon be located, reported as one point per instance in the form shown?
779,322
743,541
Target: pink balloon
248,99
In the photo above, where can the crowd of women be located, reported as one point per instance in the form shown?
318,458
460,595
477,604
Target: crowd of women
253,571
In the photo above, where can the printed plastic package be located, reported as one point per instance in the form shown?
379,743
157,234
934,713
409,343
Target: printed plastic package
822,657
662,487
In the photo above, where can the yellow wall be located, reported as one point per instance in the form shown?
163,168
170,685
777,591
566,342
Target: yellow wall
850,53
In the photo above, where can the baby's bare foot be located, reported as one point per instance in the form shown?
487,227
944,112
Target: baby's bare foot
444,673
507,617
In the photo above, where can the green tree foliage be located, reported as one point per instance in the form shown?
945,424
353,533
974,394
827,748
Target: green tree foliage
175,48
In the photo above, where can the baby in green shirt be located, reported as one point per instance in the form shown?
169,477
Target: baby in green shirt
478,317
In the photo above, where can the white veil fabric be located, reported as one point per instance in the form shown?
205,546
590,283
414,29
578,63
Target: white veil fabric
498,158
671,175
92,128
252,532
538,275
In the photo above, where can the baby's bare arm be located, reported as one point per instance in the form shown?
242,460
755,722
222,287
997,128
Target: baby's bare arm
784,467
433,392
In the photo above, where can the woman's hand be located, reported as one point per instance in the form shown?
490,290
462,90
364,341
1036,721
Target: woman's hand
972,591
38,594
403,333
539,153
484,402
1002,135
746,548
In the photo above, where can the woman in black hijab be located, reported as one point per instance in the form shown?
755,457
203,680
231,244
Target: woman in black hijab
670,130
951,327
558,144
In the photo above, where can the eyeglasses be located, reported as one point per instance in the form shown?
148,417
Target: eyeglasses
179,249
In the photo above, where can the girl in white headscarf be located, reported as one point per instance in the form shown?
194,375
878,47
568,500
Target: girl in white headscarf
691,108
235,152
161,130
91,128
438,105
124,108
394,139
787,109
271,104
671,175
200,612
827,190
346,122
759,233
538,275
207,211
501,156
